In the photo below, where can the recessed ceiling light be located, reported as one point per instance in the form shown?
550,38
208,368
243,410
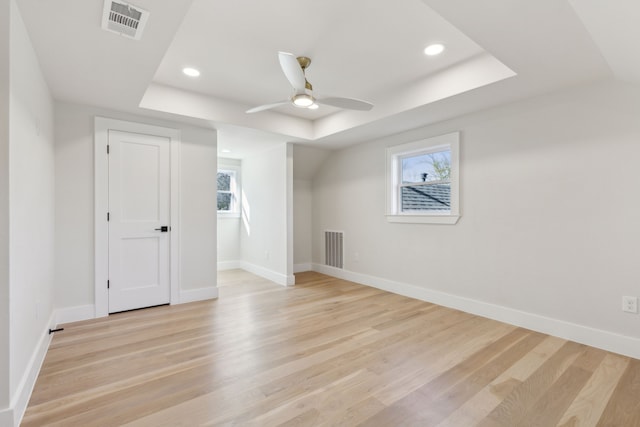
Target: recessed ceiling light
191,72
434,49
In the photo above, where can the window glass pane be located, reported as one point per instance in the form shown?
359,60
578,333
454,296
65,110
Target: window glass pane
224,201
427,167
423,181
224,182
430,197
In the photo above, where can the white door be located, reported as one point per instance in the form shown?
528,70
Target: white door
139,223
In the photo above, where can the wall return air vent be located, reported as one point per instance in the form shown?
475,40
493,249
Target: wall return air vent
123,18
333,248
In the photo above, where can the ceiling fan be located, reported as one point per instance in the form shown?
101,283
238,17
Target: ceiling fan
302,97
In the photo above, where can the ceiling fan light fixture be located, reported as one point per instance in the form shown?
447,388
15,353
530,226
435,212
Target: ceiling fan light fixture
303,100
302,95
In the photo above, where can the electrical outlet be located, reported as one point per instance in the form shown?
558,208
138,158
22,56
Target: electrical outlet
630,304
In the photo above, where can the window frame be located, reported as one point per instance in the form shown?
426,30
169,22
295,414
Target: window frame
396,154
234,190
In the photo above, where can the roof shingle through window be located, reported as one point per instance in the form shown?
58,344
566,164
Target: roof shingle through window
426,197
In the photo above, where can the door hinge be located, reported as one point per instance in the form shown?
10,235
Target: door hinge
108,216
108,284
107,149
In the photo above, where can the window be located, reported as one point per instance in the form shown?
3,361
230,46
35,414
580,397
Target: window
227,191
422,181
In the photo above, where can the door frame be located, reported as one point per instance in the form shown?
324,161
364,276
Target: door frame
101,205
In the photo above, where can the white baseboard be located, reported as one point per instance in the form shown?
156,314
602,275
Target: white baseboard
20,401
193,295
605,340
274,276
280,279
229,265
75,314
300,268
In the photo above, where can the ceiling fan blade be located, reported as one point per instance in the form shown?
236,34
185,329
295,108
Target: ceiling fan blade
292,70
267,106
346,103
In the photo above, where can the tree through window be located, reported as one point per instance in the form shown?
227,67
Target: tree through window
426,182
422,181
227,199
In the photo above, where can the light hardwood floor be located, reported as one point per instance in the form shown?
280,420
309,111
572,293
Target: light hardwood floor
325,352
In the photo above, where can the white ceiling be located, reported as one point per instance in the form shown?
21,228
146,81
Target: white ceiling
357,48
498,51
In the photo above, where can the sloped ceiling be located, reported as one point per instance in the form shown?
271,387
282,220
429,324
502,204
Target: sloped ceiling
614,27
497,51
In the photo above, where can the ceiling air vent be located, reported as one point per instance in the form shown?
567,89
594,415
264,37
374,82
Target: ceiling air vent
125,19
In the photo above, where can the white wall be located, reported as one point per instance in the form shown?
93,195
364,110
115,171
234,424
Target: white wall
549,229
302,215
229,254
288,194
74,132
306,162
5,16
198,175
31,214
264,234
74,206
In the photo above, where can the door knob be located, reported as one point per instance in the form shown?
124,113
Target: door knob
163,229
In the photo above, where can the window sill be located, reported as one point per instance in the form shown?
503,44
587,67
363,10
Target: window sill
228,215
424,219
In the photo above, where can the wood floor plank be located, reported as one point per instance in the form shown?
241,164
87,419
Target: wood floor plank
551,406
463,391
436,359
513,408
487,399
298,382
331,401
433,407
587,408
623,408
312,375
325,352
